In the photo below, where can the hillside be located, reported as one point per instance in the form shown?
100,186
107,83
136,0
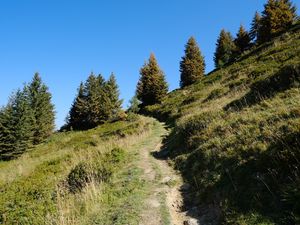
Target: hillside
80,177
236,136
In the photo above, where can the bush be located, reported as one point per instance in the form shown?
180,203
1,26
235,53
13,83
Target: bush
78,177
100,171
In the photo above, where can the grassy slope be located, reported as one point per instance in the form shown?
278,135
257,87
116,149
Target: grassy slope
34,189
236,135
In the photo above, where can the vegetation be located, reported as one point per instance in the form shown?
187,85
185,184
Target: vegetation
277,17
152,87
97,102
27,119
192,65
255,27
242,41
236,135
225,49
78,177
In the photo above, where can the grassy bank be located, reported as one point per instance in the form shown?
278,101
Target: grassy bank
236,136
86,177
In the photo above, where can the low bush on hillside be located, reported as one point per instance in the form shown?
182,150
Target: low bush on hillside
100,171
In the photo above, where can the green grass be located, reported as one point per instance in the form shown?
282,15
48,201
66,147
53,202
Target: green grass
236,132
35,187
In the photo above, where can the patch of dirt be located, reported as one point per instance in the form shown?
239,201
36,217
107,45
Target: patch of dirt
164,182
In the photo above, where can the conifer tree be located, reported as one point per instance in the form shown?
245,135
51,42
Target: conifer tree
152,86
134,105
23,118
16,126
40,102
192,65
277,17
97,101
225,49
78,112
242,40
112,90
255,27
92,87
6,132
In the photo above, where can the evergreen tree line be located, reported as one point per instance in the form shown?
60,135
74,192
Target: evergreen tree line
26,120
152,86
97,102
276,18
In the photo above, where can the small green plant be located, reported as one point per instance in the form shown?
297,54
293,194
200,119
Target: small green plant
78,177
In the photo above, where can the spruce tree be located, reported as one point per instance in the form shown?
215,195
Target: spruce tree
105,111
112,91
78,112
16,126
152,86
225,49
242,40
92,87
40,102
23,117
134,105
6,132
192,65
255,27
277,17
97,101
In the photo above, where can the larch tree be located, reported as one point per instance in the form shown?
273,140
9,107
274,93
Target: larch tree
152,86
225,49
192,65
40,103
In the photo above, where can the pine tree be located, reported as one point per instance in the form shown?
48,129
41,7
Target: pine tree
277,17
152,87
192,65
225,50
255,27
40,102
112,90
78,112
242,40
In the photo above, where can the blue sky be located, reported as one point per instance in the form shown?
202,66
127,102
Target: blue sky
64,40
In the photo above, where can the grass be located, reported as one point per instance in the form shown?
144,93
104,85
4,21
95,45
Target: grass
35,188
236,132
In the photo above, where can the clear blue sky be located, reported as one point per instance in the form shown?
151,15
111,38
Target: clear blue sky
64,40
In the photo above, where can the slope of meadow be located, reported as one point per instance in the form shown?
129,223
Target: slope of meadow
88,177
236,136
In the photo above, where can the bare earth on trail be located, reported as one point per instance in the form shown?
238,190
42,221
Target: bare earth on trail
165,204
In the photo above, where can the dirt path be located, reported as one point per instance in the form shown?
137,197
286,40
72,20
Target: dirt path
165,204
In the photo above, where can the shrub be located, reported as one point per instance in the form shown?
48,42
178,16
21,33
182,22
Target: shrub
99,171
78,177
